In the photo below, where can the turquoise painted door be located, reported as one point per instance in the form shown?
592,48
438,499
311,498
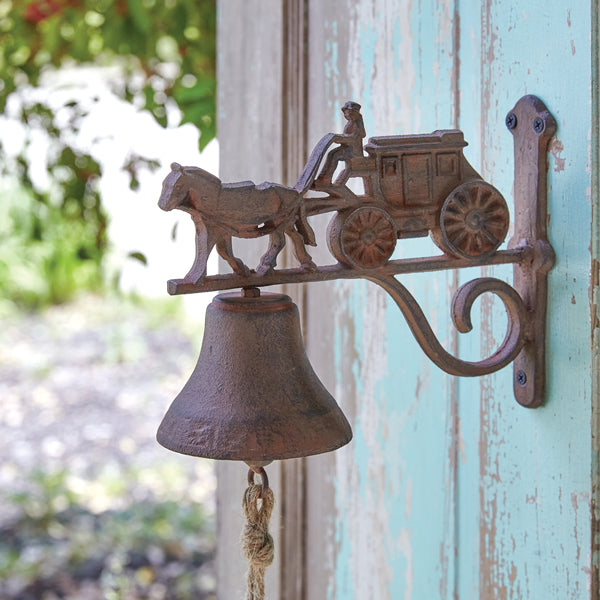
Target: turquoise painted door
449,490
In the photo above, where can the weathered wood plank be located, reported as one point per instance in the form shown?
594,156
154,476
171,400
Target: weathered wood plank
595,301
392,487
526,482
250,71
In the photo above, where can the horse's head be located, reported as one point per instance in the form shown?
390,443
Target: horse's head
173,188
177,184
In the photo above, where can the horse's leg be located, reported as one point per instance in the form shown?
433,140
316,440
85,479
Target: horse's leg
269,258
205,241
302,256
225,250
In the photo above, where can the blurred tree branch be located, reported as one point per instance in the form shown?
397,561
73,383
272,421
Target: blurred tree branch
164,53
169,43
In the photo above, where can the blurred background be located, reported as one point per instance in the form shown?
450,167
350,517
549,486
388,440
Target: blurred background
97,97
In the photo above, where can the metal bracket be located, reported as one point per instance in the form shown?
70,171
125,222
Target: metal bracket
532,126
415,185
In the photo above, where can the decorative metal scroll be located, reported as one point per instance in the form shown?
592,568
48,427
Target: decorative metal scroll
414,186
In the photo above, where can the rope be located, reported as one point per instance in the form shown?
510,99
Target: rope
257,543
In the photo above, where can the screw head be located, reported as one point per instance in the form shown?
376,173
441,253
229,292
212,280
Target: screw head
539,125
511,120
521,377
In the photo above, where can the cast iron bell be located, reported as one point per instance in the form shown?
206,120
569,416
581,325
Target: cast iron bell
253,395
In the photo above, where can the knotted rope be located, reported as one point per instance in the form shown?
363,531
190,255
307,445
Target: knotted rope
257,543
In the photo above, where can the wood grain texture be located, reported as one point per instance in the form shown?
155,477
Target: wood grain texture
449,490
249,75
292,573
594,302
393,510
528,491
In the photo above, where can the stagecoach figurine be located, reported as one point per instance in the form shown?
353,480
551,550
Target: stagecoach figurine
414,185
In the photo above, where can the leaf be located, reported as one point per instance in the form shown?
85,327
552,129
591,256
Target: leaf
134,183
204,88
138,256
208,133
139,15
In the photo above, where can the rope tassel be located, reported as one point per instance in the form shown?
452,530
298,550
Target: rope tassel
257,542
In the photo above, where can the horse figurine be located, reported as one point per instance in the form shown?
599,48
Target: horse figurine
222,210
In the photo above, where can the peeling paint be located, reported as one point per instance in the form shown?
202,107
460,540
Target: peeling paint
405,548
556,147
360,484
464,496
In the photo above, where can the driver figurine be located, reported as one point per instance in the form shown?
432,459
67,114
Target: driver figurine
350,144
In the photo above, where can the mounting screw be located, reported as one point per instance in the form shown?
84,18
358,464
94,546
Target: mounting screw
538,125
511,120
521,377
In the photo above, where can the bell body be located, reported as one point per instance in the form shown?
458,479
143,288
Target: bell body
253,395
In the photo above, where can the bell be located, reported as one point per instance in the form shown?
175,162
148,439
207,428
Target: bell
253,395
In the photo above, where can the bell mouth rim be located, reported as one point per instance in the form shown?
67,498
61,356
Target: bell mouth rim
266,302
244,455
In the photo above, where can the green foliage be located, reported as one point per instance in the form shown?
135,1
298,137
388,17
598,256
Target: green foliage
164,51
153,548
50,250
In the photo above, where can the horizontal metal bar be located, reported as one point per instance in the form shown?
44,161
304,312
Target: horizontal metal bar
214,283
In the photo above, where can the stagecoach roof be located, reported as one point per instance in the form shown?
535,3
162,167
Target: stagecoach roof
445,138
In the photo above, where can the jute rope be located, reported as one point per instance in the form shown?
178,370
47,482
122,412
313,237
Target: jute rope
257,543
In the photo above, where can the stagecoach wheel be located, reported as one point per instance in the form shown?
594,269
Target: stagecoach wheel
363,238
473,221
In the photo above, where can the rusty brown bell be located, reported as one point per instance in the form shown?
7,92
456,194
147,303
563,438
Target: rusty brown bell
253,395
